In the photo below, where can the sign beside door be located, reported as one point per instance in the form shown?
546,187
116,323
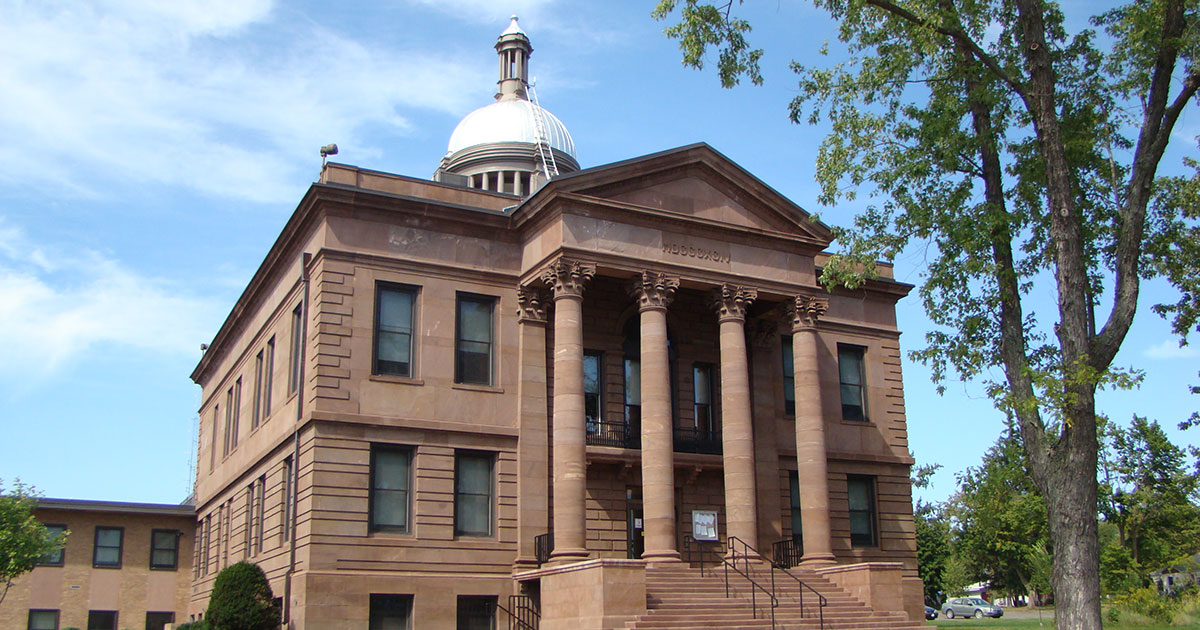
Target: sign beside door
704,525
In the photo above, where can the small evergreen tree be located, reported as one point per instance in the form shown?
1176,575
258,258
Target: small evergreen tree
242,600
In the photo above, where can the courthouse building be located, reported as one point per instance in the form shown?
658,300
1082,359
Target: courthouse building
523,378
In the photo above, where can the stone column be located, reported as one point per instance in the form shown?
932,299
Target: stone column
533,457
566,278
654,292
737,430
810,432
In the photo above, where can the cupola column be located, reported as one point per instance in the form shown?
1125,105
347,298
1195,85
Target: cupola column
737,430
567,278
654,292
514,49
811,464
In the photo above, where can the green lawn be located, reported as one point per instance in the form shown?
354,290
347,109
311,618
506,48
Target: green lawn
1025,620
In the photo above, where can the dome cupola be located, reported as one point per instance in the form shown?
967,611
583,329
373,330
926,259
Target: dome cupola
513,145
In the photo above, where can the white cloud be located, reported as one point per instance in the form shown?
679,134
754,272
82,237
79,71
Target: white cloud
1170,349
225,98
59,302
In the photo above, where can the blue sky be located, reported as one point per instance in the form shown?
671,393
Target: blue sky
150,153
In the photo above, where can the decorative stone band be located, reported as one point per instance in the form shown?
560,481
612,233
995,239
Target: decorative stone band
732,300
567,277
531,306
653,290
806,310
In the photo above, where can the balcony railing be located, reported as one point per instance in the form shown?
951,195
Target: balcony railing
697,440
623,434
786,553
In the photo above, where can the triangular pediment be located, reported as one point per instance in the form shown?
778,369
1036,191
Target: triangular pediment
696,181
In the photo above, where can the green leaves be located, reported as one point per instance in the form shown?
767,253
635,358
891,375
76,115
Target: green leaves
704,25
23,539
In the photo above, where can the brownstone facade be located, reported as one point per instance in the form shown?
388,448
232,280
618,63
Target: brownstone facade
124,565
625,348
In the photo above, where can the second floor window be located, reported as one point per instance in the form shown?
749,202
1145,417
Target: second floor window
296,346
702,393
592,370
473,494
391,478
164,549
850,370
789,378
393,330
473,340
54,558
107,550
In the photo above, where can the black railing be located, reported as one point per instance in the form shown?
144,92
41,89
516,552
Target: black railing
731,559
694,552
522,613
786,553
616,434
543,544
821,601
697,440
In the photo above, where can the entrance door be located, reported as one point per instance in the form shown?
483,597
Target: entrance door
636,528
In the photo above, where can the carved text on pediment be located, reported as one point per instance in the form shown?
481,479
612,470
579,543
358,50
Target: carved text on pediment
691,251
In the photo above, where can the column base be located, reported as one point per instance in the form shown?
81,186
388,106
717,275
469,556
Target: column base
524,563
815,561
566,556
667,555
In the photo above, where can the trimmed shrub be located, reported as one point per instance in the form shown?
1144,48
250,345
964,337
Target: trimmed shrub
193,625
242,600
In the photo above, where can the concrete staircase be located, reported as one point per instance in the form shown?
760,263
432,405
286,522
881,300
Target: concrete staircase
679,597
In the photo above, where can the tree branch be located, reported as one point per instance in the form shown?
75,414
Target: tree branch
958,35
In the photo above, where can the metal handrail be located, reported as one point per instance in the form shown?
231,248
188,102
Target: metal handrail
543,544
729,563
747,550
526,616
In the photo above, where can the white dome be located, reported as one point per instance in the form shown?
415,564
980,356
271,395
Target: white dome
509,121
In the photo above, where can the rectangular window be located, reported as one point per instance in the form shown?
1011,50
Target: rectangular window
237,412
789,378
285,501
702,401
390,612
297,342
592,391
473,494
850,369
258,513
43,620
794,491
633,394
256,413
102,620
164,549
861,495
208,539
476,612
393,329
228,422
248,541
391,478
268,377
212,454
54,558
106,553
159,620
473,340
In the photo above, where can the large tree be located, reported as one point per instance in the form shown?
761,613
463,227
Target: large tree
24,541
1025,159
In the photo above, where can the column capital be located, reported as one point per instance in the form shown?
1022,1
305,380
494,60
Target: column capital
531,305
806,310
567,277
653,290
732,300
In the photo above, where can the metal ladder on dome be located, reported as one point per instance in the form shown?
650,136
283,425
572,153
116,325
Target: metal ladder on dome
549,166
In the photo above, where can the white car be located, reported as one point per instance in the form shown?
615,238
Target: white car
970,607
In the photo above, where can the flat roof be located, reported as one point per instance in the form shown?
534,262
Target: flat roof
83,505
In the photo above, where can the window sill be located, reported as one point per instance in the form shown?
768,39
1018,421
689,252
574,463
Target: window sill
164,568
401,380
491,389
860,423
